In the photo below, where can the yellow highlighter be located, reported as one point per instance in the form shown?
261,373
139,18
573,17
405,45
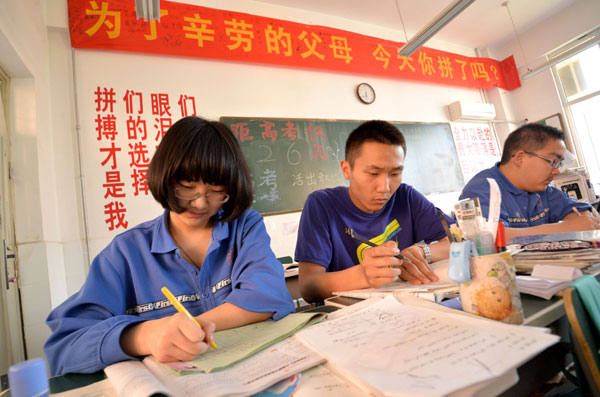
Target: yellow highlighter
183,310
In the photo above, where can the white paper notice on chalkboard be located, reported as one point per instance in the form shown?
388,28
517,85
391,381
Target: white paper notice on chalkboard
477,147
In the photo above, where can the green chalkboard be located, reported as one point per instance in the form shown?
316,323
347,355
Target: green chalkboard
290,158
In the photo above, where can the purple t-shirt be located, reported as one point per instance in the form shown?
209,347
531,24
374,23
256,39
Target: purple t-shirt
329,214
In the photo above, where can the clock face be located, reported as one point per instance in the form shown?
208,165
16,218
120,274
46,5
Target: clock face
366,93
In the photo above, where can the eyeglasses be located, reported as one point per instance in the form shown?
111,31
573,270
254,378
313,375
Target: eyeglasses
191,195
554,163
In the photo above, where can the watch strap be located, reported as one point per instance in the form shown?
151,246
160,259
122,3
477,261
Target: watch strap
426,251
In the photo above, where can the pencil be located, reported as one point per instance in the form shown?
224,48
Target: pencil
183,310
575,211
372,244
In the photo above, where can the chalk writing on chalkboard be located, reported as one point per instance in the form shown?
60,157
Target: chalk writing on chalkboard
290,158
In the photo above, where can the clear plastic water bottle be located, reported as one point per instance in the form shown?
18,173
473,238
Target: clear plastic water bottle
29,379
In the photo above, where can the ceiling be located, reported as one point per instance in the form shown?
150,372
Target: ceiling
467,29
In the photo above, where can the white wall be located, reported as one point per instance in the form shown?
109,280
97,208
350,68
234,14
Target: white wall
49,207
38,164
538,97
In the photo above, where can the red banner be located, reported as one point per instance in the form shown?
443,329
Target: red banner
193,31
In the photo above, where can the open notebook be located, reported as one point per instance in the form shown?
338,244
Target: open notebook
239,343
435,291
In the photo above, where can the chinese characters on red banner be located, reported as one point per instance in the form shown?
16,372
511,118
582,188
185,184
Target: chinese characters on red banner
147,117
193,31
476,147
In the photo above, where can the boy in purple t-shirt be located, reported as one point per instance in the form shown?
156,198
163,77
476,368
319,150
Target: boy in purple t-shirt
377,207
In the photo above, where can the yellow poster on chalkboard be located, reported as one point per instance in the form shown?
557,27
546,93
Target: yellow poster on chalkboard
290,158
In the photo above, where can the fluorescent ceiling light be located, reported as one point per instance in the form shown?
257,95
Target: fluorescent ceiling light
433,27
149,10
581,43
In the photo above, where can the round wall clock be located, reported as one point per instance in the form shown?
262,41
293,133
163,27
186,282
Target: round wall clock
365,93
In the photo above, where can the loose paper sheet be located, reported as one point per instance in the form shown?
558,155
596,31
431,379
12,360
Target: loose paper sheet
400,350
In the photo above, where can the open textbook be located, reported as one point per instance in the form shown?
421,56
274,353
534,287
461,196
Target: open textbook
239,343
381,348
435,291
149,377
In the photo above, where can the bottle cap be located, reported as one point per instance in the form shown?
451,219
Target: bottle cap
500,239
28,379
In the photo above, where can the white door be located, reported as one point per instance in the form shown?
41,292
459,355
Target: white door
11,331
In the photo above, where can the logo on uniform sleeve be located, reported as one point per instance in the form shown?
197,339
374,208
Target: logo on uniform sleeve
160,304
221,284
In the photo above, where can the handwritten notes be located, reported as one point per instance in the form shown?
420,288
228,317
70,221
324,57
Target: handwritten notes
239,343
399,349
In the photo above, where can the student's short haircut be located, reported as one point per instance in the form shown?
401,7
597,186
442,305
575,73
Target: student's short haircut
530,137
372,131
193,150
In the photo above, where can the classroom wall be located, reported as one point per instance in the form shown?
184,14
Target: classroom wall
50,225
236,89
538,97
39,210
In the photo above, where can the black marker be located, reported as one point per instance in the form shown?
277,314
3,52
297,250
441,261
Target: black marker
372,244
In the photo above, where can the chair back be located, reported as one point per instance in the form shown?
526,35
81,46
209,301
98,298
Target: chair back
585,338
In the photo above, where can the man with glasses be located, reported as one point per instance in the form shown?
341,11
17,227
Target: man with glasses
532,157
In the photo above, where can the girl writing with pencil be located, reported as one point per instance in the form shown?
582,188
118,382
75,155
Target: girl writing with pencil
208,248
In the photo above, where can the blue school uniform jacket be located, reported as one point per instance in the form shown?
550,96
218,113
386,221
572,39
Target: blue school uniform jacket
519,208
124,285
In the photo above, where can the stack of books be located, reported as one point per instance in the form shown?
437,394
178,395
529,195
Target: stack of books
573,249
545,281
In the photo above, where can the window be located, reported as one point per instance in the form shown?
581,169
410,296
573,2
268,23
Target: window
579,83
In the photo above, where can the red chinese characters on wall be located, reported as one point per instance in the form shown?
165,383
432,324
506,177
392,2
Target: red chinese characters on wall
147,117
193,31
476,147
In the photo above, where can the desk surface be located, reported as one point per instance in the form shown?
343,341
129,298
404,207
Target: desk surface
538,312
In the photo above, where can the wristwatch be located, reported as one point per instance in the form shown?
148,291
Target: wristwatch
426,250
